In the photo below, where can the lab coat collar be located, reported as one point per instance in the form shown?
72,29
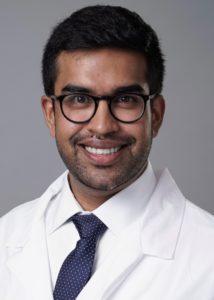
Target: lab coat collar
35,215
163,218
159,223
28,254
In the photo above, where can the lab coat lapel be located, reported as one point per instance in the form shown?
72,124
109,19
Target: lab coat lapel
31,266
123,258
163,218
154,234
28,259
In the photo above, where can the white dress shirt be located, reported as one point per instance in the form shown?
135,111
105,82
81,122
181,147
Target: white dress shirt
117,213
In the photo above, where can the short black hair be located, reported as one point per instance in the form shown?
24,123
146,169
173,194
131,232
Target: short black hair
104,26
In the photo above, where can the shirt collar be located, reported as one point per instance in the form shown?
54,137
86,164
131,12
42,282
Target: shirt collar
61,208
127,205
116,213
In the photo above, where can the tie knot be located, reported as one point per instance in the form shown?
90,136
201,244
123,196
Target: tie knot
88,225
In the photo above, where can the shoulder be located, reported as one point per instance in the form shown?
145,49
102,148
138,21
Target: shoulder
196,223
199,220
18,219
197,240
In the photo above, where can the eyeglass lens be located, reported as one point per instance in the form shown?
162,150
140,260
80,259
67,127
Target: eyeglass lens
125,107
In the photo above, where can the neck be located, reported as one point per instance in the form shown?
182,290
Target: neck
90,198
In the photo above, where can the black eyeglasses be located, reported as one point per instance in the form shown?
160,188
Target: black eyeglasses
80,108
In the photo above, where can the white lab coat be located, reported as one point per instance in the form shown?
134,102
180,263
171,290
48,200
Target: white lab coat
167,254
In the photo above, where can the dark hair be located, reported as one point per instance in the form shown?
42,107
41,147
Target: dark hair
104,26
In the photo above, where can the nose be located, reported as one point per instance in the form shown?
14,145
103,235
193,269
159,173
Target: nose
103,122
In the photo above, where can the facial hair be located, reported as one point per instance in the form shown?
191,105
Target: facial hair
101,177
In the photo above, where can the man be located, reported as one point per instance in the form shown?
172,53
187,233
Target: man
110,227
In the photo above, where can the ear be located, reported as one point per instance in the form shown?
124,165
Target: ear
49,114
157,110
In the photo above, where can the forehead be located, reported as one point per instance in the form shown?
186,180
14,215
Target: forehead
100,70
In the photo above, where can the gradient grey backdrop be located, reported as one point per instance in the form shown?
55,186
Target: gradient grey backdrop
29,160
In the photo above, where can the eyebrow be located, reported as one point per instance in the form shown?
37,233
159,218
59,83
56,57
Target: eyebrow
75,89
130,88
137,88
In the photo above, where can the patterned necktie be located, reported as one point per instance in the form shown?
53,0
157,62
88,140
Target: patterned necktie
76,269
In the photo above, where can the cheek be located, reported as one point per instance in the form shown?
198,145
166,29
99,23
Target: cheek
145,126
141,130
65,130
143,133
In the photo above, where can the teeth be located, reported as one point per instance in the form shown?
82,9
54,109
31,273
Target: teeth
101,151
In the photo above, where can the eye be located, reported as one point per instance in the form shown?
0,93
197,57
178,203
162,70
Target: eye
127,99
124,98
78,99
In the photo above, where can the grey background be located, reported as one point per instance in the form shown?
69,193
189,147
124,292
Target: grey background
29,160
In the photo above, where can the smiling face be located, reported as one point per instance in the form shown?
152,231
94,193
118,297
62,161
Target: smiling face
103,155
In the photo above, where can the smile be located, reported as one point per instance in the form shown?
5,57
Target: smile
101,151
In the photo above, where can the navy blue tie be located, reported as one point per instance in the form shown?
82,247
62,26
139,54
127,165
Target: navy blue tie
76,269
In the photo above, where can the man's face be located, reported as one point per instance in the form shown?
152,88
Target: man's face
103,154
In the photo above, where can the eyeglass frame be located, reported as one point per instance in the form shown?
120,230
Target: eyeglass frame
97,99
